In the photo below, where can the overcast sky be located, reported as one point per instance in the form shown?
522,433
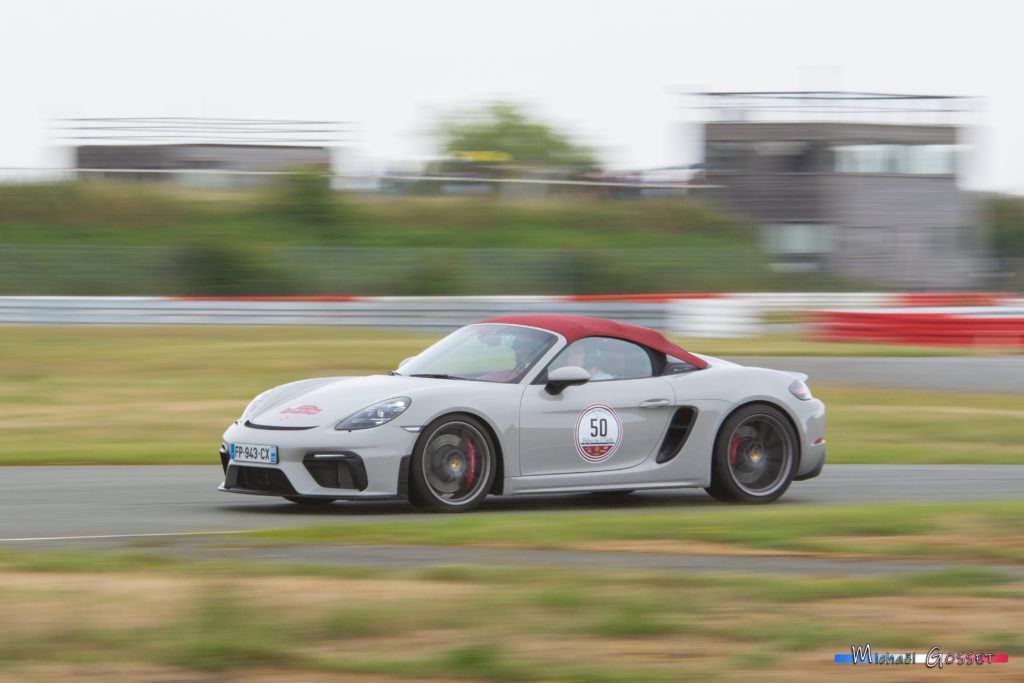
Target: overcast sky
609,72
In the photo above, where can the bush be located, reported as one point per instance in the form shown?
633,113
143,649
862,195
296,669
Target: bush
212,268
304,198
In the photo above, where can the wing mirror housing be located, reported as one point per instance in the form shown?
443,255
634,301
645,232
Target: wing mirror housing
568,376
406,361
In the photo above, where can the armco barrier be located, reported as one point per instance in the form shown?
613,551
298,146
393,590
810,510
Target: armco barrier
691,315
427,313
997,327
717,317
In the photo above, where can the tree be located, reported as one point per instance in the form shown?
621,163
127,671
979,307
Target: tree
1006,221
1005,218
502,131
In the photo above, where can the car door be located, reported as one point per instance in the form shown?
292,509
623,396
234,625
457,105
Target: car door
616,420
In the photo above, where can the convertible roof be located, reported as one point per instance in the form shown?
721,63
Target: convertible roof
574,327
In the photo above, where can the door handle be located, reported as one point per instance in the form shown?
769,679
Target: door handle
655,403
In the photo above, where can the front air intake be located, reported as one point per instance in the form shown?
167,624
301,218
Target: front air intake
337,470
262,479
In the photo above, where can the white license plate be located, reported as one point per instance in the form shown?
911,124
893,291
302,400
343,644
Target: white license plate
249,452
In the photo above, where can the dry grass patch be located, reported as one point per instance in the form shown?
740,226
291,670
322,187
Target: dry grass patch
476,624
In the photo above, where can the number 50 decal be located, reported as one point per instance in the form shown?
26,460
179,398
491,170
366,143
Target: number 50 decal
598,433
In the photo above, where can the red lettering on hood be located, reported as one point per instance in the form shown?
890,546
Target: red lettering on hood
301,410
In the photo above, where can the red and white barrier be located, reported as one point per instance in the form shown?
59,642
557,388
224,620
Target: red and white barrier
996,327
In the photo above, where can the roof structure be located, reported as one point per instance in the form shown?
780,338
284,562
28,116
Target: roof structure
204,131
574,327
835,106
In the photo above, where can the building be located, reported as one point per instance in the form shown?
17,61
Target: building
857,185
200,152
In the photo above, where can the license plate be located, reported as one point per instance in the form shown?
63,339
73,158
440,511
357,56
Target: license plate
248,452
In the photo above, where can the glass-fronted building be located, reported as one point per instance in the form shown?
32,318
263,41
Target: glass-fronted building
859,185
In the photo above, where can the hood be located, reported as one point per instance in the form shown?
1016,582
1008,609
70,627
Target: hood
331,403
802,376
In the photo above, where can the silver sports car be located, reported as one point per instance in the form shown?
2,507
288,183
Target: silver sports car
531,404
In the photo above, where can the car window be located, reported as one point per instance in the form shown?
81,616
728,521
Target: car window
606,358
489,353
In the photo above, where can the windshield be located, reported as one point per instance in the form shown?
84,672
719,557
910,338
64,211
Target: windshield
488,353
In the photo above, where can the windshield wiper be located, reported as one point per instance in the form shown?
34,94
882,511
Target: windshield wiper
436,376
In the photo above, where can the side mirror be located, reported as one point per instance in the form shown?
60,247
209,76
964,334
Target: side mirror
569,376
406,361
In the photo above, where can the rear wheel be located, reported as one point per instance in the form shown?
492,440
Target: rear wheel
755,456
453,465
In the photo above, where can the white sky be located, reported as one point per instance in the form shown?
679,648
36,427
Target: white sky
610,72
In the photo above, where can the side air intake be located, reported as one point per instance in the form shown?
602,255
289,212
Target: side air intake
675,437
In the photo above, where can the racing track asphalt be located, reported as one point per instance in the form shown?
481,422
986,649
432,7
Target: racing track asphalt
111,507
998,375
46,502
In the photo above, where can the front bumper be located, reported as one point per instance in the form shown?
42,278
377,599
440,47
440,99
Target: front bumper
322,463
816,469
812,457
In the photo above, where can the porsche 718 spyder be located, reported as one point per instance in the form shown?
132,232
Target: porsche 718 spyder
531,404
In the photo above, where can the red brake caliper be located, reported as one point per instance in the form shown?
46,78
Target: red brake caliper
733,446
471,452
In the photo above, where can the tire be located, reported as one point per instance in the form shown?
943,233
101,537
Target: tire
309,500
755,457
453,465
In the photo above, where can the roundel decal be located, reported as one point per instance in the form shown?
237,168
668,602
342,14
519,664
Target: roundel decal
598,433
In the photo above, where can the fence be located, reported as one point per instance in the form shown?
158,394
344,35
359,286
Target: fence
202,269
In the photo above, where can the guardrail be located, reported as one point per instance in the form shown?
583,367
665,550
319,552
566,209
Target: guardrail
683,314
703,315
406,313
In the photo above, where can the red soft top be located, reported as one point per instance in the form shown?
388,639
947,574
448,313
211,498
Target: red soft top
574,327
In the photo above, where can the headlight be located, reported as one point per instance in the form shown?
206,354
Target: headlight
377,414
800,390
258,405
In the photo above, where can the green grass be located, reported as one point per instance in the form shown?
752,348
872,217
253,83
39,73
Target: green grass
164,395
160,395
545,587
918,427
860,529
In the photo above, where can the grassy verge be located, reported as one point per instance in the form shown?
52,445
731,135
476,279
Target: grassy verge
964,531
918,427
105,212
134,238
103,395
490,624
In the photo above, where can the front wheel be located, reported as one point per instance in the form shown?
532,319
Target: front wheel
453,465
755,456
